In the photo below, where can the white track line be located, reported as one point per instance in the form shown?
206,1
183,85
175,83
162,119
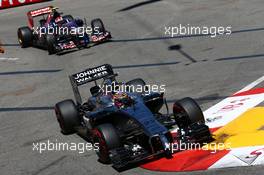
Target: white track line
8,59
251,85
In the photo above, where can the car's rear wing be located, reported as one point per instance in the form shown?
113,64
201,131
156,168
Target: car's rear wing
38,12
41,11
89,75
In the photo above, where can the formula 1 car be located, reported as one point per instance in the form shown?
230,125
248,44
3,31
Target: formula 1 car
57,33
126,123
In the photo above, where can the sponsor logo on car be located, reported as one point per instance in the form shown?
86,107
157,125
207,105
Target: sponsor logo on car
41,11
91,74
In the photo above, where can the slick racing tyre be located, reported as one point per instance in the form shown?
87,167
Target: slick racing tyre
186,112
25,37
137,83
106,136
67,116
98,27
51,44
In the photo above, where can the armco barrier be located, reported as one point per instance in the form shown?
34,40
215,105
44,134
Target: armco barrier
13,3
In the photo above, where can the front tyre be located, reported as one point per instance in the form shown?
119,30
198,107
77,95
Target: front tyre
186,112
107,137
98,27
67,116
51,44
25,37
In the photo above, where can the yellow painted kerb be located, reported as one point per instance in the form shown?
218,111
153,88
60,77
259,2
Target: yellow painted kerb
246,130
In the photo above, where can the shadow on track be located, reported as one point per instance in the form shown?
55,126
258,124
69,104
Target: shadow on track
192,60
178,48
31,72
19,109
240,57
145,65
138,5
10,45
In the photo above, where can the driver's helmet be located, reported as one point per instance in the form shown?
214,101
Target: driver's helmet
56,17
121,99
54,14
112,86
79,22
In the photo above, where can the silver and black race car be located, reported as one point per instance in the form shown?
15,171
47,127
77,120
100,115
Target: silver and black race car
128,125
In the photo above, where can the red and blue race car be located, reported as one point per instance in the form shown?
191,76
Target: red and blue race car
57,33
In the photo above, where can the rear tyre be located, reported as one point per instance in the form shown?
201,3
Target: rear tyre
107,138
67,116
98,26
51,44
186,112
25,37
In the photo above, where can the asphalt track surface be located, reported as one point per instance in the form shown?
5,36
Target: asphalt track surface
207,69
